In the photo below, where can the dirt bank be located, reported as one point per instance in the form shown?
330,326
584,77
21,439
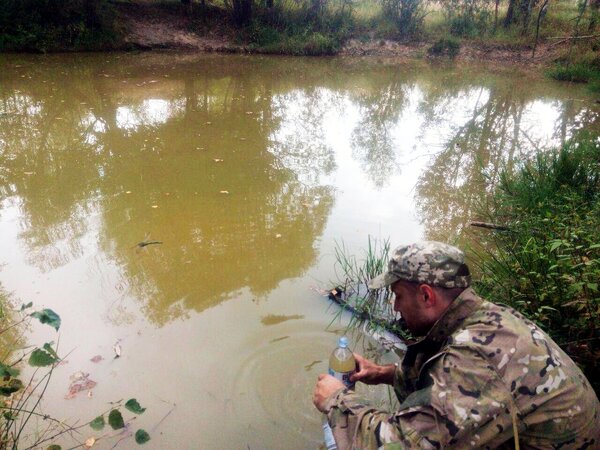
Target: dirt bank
149,26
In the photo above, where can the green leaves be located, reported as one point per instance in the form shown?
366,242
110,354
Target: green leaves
47,316
115,419
133,406
24,307
7,371
54,447
557,243
98,423
9,386
141,437
548,266
43,358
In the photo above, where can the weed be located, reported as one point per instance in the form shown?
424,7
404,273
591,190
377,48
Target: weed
548,265
371,308
577,73
20,402
445,47
407,15
33,25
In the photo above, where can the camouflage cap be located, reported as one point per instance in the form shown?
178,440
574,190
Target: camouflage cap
428,262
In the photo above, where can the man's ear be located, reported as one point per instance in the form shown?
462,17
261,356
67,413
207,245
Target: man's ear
428,294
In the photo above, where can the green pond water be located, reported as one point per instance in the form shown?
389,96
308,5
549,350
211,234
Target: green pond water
248,170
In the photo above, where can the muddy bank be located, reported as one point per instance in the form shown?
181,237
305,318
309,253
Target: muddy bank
148,26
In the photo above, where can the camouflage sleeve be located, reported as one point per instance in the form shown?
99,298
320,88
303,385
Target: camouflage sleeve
464,402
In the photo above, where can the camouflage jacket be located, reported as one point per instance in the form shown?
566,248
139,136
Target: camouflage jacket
481,373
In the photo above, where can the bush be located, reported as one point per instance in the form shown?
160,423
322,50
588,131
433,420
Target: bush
308,44
299,31
40,25
548,265
445,47
263,35
291,41
318,44
577,73
468,18
407,15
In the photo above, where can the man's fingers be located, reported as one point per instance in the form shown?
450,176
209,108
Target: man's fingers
359,359
322,375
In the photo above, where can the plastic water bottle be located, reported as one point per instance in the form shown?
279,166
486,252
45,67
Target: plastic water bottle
328,436
342,363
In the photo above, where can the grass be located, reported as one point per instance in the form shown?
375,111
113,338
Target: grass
370,307
287,28
449,46
577,73
579,65
548,265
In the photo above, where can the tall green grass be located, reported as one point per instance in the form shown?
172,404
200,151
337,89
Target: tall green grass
548,264
373,307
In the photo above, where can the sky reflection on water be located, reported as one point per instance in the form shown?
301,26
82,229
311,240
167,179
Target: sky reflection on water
248,170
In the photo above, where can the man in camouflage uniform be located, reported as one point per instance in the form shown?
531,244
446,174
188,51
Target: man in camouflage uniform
483,376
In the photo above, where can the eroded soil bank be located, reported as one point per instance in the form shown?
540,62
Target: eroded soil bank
148,26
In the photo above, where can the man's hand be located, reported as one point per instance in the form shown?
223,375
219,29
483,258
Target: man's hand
370,373
326,386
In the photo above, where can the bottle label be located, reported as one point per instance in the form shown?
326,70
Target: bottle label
344,377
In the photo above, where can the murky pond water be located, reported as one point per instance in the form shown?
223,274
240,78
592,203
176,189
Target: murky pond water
247,170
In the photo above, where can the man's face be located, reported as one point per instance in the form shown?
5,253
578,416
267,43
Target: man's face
410,306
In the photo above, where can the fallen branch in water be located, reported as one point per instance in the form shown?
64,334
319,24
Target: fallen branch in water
144,243
566,38
491,226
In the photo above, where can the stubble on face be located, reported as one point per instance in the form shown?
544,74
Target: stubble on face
407,303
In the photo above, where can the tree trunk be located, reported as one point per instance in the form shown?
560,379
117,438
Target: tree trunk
595,10
496,16
509,19
242,12
525,14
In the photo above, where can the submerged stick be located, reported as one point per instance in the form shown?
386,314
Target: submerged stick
491,226
144,243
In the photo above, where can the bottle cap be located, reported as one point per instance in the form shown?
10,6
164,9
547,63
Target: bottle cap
343,342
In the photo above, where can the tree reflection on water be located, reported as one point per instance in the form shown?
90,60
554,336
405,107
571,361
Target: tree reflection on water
99,156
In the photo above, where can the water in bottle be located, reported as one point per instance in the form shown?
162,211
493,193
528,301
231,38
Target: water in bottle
342,363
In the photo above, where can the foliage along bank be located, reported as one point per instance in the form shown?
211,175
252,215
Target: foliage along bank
302,27
547,263
56,25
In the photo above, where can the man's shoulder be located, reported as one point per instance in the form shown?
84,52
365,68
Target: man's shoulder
491,325
507,341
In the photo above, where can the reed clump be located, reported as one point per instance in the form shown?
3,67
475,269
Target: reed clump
372,309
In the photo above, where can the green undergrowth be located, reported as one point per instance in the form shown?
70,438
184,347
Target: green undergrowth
298,31
266,39
21,395
579,65
449,46
576,73
56,25
548,264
